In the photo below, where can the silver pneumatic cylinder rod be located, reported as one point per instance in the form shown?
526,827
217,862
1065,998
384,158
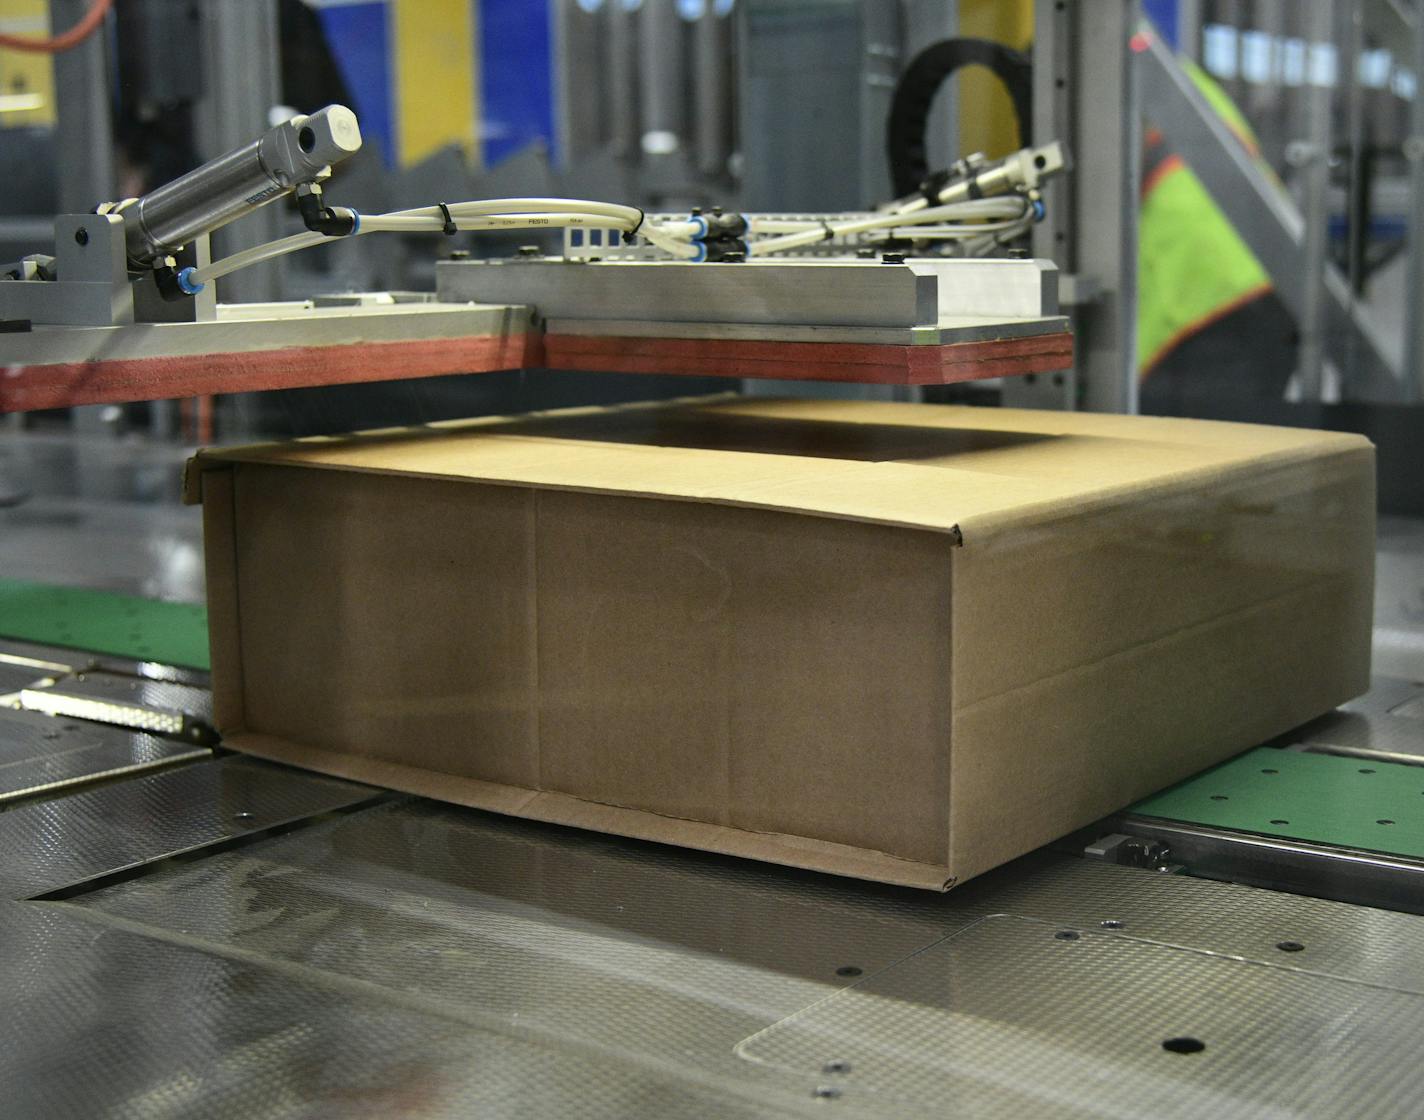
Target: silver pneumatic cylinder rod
297,151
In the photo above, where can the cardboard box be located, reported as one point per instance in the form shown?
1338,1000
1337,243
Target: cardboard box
893,641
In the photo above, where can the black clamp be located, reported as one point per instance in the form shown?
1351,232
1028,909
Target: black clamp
933,185
449,229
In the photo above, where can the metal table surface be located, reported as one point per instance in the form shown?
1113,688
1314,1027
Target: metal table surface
415,959
226,937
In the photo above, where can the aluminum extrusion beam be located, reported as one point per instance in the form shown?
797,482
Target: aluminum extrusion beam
1083,95
1300,867
285,347
1264,216
1414,150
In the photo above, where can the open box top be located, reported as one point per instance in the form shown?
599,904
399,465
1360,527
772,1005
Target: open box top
856,460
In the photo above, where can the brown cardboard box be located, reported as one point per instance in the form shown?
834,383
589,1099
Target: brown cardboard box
900,642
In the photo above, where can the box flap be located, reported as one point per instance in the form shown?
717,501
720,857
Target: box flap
558,808
944,469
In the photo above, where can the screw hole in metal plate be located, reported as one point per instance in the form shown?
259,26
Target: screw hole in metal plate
1289,946
1067,935
1183,1045
849,970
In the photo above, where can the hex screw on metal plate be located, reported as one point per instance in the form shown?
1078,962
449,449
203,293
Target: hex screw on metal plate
826,1092
244,815
836,1065
1112,923
1067,935
1289,946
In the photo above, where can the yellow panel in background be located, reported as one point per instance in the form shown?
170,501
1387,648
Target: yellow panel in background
986,115
26,80
435,87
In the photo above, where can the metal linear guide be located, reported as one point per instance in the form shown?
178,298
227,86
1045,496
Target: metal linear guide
911,322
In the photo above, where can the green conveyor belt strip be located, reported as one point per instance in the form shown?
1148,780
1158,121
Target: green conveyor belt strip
103,622
1330,799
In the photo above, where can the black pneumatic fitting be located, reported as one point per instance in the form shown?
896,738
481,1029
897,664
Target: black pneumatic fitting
728,249
721,225
337,222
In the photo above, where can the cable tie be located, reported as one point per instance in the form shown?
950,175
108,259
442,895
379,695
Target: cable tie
450,229
830,233
628,235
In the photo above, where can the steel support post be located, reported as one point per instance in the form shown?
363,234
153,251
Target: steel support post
1084,94
1414,342
242,68
1313,156
84,133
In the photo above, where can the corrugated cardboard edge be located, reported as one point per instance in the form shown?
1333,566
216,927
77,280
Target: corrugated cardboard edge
558,808
979,528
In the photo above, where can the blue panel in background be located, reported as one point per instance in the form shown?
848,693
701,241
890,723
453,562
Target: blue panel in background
1166,17
516,78
359,37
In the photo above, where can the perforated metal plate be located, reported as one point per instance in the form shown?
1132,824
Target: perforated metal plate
670,959
106,1021
1005,1018
39,753
94,832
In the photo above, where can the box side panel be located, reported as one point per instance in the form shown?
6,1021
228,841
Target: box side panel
1151,642
389,617
217,494
753,669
